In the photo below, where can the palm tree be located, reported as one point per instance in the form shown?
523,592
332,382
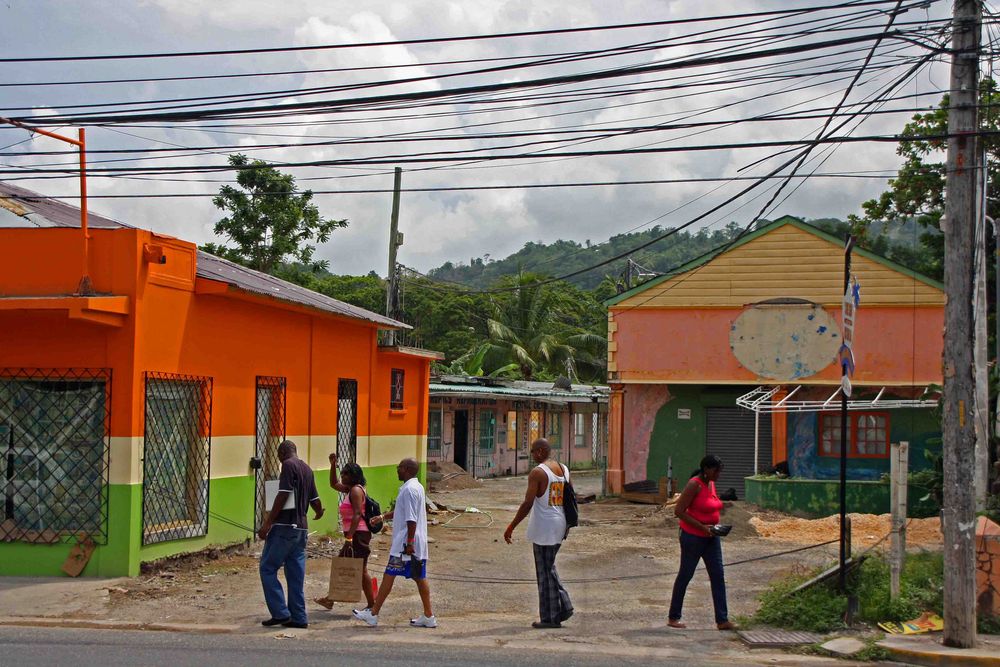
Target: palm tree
524,328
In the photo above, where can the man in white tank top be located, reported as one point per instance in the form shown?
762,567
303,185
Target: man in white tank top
546,531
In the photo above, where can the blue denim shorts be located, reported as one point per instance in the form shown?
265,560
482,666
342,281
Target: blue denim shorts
411,569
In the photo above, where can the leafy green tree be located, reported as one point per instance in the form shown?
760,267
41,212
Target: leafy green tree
917,192
269,223
533,326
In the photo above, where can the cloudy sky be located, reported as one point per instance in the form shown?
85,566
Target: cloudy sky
451,225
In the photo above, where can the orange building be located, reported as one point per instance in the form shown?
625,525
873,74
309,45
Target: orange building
145,417
693,354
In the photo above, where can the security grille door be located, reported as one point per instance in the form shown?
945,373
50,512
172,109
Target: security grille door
730,436
347,421
269,431
176,451
54,454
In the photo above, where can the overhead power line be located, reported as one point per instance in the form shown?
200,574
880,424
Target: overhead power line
435,40
635,70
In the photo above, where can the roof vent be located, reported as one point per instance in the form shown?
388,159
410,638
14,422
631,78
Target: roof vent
563,383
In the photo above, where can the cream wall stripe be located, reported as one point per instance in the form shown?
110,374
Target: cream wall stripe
231,455
125,467
387,450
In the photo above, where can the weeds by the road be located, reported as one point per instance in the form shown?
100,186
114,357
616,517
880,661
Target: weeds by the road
821,608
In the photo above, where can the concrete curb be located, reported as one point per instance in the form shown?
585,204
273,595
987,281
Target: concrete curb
928,651
94,624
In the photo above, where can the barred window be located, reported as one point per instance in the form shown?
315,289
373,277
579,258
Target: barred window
396,396
176,457
434,432
54,454
269,431
487,430
867,434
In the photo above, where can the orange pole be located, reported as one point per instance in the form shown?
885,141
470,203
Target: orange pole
85,286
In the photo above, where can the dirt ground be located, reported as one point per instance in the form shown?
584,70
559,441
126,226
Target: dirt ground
618,567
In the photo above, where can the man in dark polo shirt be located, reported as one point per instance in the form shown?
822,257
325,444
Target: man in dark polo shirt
285,532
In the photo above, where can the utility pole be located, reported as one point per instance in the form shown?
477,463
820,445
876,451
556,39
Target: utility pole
395,240
980,354
958,415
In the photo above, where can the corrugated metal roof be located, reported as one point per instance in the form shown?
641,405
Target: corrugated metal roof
24,208
255,282
519,389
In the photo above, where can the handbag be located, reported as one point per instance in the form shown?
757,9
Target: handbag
345,579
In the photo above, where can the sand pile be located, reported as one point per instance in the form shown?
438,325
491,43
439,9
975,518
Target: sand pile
453,477
735,514
866,529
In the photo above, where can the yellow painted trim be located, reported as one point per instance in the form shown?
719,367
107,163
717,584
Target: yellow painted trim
317,450
231,456
125,466
383,450
785,262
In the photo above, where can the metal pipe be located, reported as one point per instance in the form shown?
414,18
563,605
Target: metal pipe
85,287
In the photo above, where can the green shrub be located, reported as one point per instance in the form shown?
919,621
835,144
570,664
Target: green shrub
821,608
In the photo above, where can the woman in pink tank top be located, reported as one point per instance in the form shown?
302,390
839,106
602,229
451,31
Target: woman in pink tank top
699,509
357,536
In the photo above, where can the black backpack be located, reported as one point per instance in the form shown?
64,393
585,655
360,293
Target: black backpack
570,507
372,510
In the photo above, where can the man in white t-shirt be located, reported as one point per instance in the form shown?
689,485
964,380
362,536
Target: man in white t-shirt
408,553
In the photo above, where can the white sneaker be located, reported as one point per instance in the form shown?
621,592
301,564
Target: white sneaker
366,615
424,622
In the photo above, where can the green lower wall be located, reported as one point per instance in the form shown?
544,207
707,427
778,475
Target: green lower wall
819,498
683,440
231,498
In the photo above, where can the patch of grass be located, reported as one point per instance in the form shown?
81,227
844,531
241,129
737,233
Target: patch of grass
816,609
872,652
821,608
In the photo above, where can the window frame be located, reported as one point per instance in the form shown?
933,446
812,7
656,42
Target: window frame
432,417
487,431
854,417
397,385
550,419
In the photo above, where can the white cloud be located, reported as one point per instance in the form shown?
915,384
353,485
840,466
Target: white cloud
439,226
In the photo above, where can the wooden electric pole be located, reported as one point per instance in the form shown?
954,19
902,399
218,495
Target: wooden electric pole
395,240
958,415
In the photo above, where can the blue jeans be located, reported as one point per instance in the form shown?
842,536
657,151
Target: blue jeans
693,549
285,547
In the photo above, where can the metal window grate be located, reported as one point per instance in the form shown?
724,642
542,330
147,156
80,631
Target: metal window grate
396,394
176,457
347,421
269,431
55,439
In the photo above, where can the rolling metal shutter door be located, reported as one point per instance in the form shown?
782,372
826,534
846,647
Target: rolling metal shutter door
729,434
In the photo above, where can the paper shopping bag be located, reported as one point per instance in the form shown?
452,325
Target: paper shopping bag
345,579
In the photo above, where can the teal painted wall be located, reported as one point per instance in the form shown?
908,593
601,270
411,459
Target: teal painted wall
916,426
819,498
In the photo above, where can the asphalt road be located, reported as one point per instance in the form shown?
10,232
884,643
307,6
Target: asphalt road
25,647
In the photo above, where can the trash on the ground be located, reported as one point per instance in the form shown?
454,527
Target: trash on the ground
285,635
79,556
926,622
